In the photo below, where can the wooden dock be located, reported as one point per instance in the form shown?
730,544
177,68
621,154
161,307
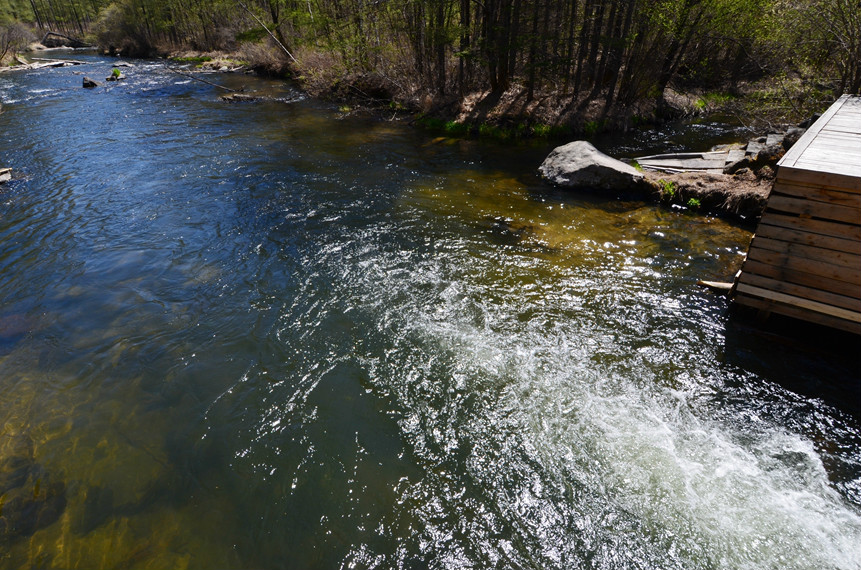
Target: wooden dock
805,258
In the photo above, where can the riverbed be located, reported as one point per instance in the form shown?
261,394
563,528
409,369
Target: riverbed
277,335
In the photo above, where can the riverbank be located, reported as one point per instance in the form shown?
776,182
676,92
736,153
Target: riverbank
741,195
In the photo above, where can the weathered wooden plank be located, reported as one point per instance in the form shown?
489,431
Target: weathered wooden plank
800,314
814,209
799,277
798,302
688,163
843,139
847,157
797,150
807,184
847,124
821,227
721,287
849,303
734,155
836,168
817,176
791,263
832,145
826,195
808,238
841,258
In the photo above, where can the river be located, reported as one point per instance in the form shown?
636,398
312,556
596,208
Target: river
275,335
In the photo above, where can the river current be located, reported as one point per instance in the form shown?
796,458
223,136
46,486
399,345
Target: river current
277,335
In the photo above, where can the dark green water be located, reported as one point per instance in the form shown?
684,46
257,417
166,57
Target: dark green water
270,336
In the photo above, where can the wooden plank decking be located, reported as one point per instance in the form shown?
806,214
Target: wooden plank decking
805,258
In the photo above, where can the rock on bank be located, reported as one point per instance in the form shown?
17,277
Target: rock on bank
580,165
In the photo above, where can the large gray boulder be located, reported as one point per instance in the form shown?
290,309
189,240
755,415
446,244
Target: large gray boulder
580,165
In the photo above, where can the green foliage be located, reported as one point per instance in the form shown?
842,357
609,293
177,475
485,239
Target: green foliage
430,123
668,190
192,59
541,130
694,204
115,72
710,100
491,131
456,129
15,10
592,128
253,35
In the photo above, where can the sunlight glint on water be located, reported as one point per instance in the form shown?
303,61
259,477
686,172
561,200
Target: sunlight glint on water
269,336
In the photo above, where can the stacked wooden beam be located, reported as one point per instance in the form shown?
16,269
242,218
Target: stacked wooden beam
805,258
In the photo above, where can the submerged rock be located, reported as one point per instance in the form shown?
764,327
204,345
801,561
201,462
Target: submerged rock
30,499
89,83
237,97
580,165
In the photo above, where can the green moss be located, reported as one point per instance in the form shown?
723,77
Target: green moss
694,204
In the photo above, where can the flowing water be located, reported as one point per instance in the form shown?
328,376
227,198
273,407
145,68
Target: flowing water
270,335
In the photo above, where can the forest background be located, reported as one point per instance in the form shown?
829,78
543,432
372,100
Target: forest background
537,66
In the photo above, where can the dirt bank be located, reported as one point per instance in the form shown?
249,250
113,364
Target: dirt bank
743,194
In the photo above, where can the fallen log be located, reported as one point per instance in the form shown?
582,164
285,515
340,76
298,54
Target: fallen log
41,63
64,61
70,41
190,76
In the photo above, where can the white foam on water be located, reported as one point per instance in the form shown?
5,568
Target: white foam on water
675,481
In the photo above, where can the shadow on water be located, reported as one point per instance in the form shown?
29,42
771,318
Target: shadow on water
810,360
